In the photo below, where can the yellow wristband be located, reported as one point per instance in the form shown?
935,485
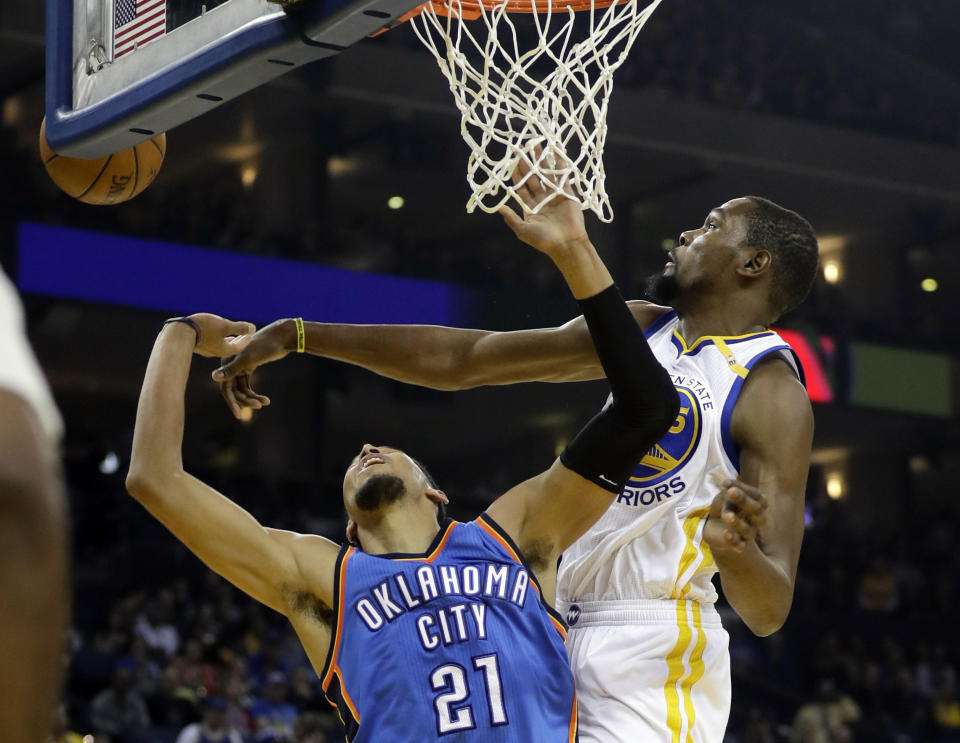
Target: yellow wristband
301,337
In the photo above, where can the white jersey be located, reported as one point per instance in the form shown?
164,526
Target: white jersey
19,371
648,545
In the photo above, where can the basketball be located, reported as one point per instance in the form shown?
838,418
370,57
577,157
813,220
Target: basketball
111,179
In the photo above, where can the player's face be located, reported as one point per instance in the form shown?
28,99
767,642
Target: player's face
379,476
704,255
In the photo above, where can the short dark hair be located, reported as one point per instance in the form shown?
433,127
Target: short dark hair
441,507
791,242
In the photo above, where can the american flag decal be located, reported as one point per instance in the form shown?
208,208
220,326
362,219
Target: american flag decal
135,22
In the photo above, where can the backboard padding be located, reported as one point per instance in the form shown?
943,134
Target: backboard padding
233,48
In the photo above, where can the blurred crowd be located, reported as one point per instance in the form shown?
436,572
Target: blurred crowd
812,66
191,662
163,651
869,652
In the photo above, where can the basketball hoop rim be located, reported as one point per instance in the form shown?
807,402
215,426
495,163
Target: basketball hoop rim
470,10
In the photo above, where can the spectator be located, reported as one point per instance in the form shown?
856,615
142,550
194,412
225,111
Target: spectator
196,672
946,713
235,692
213,729
826,719
173,705
119,711
155,628
273,717
310,728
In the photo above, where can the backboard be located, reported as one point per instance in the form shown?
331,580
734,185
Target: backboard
120,71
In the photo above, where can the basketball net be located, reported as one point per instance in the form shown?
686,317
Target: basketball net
555,122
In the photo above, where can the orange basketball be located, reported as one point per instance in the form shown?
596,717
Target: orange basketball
111,179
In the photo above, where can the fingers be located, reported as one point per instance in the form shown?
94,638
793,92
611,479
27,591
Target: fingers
739,511
229,396
238,394
247,389
739,526
240,328
749,501
226,372
246,395
235,344
513,220
528,184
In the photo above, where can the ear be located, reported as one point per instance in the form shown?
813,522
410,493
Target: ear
757,264
436,496
351,532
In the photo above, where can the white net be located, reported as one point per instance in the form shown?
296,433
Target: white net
546,104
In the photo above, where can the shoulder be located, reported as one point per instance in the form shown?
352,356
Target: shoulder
306,548
316,559
773,400
646,313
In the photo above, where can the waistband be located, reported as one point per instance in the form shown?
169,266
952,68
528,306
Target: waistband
637,611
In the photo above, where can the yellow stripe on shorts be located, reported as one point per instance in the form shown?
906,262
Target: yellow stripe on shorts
697,669
682,676
676,671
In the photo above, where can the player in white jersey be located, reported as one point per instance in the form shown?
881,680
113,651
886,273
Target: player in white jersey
33,603
646,645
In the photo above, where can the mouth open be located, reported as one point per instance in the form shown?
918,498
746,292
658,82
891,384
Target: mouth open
370,461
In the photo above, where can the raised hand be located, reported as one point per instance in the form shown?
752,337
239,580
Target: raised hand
736,516
220,337
559,221
235,376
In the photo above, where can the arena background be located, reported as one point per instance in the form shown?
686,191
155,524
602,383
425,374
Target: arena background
847,111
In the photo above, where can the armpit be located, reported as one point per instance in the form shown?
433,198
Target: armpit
308,605
539,554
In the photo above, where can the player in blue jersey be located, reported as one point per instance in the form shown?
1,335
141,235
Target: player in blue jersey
423,628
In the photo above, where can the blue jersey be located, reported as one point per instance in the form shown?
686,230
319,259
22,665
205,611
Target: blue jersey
455,644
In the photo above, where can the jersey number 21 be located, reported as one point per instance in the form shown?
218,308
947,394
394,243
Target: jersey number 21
451,680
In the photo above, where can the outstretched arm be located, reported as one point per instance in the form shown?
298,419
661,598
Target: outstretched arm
549,512
428,355
259,561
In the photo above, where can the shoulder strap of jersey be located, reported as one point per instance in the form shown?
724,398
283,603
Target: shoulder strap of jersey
336,627
789,357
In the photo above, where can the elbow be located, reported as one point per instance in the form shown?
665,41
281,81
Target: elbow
765,628
765,623
143,485
137,484
667,408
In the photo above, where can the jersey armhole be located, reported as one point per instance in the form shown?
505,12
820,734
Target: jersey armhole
336,629
726,435
505,541
659,323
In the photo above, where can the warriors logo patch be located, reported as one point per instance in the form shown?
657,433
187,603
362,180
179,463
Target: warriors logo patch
675,448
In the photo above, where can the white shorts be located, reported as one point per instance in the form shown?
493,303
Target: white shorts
649,671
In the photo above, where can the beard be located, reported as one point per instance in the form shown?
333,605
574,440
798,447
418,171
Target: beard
379,491
664,288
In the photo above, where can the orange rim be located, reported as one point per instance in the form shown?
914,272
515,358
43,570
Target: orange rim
470,9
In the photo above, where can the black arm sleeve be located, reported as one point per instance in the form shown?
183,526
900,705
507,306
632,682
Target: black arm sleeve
645,403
